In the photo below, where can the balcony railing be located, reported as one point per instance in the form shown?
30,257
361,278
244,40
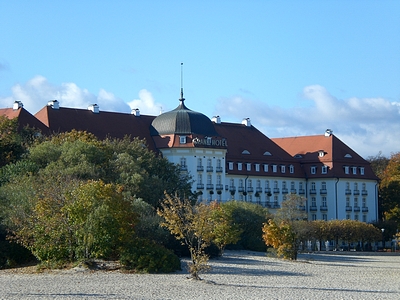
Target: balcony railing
293,191
349,208
241,189
302,207
364,192
365,209
268,190
200,186
232,188
323,208
356,208
210,186
183,168
302,191
313,208
347,192
259,189
285,191
219,169
219,187
313,192
250,189
276,190
200,168
210,169
356,192
323,191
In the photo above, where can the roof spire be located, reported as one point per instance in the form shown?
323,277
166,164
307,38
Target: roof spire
182,99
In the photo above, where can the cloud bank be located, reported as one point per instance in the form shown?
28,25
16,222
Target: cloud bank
368,125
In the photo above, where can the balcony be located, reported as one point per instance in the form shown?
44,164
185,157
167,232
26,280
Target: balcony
250,189
285,191
210,169
259,189
356,192
200,168
323,208
232,188
219,187
302,191
347,192
365,209
268,190
200,186
219,169
210,186
313,208
240,189
313,192
293,191
364,192
349,208
183,168
356,209
276,190
302,207
323,191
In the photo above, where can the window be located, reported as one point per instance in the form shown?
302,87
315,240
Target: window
362,170
200,179
364,187
324,170
183,164
275,184
209,163
231,183
218,163
209,179
240,166
354,169
346,170
355,186
313,202
324,202
258,183
364,218
266,184
250,197
347,185
314,217
283,169
347,217
313,186
300,185
284,185
250,183
292,186
230,165
356,217
347,201
324,217
313,170
266,168
241,183
257,167
219,179
323,185
248,166
182,140
291,169
274,168
364,202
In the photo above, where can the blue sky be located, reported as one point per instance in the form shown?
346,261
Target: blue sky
293,67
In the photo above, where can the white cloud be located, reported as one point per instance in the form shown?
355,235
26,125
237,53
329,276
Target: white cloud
146,104
368,125
35,94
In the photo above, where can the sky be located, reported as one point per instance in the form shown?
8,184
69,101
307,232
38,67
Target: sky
294,68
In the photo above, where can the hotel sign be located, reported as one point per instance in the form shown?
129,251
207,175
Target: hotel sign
210,142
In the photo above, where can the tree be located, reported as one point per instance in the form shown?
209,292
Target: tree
284,232
225,230
192,225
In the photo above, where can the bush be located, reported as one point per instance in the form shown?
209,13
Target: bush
12,254
146,256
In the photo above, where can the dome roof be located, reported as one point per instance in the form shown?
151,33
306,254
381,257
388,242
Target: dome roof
182,120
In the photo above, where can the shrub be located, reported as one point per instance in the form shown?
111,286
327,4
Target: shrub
146,256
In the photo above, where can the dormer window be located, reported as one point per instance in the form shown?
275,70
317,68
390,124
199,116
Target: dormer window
245,152
291,169
321,153
267,153
283,169
248,166
274,168
348,156
346,170
324,170
182,140
354,169
313,170
240,166
257,167
230,165
265,168
362,170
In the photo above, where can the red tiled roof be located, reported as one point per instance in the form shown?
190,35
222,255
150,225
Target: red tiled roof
244,139
24,118
103,124
336,155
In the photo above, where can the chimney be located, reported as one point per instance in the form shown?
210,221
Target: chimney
216,119
17,105
328,132
246,121
54,104
94,108
135,112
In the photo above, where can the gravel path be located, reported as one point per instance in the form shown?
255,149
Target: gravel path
238,275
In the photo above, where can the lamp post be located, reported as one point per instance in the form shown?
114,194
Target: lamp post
383,239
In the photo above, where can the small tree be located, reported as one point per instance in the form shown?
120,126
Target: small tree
192,225
281,237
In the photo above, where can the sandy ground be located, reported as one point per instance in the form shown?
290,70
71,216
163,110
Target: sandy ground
237,275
